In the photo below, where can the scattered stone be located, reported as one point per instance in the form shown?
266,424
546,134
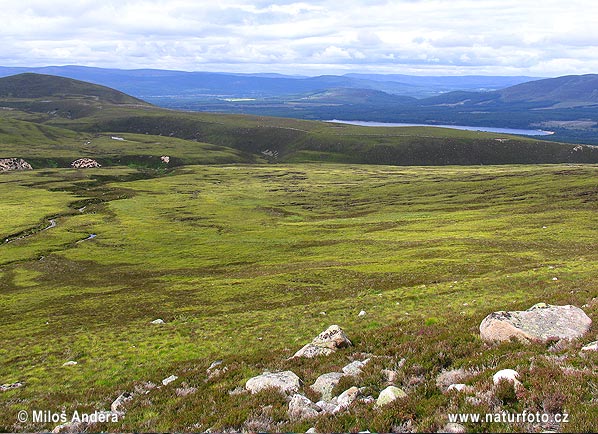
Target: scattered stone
285,382
70,427
119,403
312,430
540,322
165,159
213,365
184,391
169,380
144,388
388,395
10,386
326,406
592,346
301,407
158,321
368,399
446,378
237,391
362,313
85,163
390,376
506,374
453,427
69,363
458,387
8,164
325,343
346,398
325,383
354,368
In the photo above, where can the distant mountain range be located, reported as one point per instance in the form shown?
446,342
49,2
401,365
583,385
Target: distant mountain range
566,105
147,83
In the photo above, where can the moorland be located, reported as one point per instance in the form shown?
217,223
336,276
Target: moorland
259,233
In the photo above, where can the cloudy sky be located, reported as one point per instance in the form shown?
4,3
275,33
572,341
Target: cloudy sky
424,37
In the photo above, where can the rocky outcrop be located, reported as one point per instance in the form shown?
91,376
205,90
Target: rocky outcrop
325,383
85,163
325,343
389,394
7,164
301,407
285,381
541,322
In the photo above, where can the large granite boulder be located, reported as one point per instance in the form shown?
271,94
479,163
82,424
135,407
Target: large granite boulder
541,322
285,382
325,343
325,383
7,164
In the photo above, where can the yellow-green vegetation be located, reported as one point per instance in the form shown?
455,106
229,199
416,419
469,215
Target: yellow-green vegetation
240,261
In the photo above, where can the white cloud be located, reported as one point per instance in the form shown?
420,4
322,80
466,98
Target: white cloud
400,36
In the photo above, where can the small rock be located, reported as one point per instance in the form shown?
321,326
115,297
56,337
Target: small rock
85,163
592,346
452,376
9,386
325,343
541,322
301,407
119,403
346,398
326,406
368,399
237,391
184,391
322,313
388,395
285,382
69,363
390,376
70,427
458,387
312,430
8,164
165,159
169,380
325,383
213,365
158,321
555,278
453,427
354,368
506,374
362,313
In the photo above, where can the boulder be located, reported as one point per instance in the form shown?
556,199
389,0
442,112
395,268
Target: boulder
354,368
85,163
7,164
325,383
9,386
506,374
325,343
169,380
453,427
388,395
119,403
285,382
301,407
541,322
346,398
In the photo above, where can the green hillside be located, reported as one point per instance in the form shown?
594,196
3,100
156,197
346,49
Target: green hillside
251,138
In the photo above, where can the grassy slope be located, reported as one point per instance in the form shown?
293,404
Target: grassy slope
241,260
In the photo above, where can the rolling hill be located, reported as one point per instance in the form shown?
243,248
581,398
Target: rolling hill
84,117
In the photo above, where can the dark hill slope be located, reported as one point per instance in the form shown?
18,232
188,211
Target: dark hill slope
31,85
570,89
277,139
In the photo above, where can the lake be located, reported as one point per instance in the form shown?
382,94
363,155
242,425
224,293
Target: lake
455,127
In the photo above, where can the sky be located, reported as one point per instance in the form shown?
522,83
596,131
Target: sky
421,37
